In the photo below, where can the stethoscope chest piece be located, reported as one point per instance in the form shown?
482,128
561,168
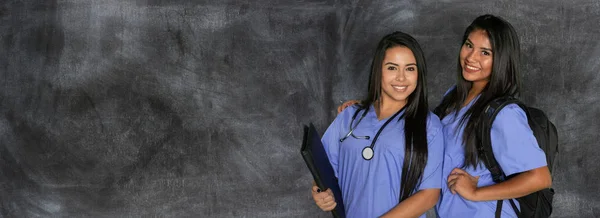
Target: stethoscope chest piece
367,153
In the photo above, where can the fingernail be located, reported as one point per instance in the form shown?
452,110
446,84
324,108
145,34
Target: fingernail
318,190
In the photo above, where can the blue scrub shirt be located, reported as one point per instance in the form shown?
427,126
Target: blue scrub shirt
372,188
514,147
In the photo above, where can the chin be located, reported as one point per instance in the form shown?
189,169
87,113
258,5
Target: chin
400,98
468,77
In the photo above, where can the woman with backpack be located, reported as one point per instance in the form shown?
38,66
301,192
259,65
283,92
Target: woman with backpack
487,70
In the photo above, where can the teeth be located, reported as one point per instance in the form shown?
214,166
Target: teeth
400,88
472,68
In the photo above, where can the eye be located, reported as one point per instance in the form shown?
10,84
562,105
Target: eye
468,45
486,53
391,68
411,68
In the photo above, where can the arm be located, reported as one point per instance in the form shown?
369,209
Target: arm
518,186
325,198
415,205
517,152
429,189
523,184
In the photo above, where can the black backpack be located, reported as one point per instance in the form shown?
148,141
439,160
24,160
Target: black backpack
537,204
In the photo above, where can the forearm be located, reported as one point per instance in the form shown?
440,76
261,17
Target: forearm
518,186
415,205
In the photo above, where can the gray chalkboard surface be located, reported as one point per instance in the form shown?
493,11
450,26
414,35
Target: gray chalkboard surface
172,108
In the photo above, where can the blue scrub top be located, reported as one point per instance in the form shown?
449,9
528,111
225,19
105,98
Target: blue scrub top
514,147
372,188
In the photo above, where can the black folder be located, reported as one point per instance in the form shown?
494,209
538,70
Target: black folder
318,163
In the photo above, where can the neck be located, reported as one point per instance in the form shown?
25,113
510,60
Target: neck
476,89
385,109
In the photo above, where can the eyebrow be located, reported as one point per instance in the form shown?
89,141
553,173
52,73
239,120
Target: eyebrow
411,64
482,48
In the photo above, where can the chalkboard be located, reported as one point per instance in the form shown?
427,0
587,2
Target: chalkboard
172,108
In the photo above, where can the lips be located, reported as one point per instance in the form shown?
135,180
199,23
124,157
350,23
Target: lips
399,88
471,69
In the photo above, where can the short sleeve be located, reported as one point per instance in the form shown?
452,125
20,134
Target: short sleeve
432,175
513,143
331,138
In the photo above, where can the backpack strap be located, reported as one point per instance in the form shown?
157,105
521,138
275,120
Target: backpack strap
485,145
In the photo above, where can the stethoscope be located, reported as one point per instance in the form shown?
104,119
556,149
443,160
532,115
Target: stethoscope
367,152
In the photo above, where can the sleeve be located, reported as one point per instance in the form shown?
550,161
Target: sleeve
513,143
331,139
432,175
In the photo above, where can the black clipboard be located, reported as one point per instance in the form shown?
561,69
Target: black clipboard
318,163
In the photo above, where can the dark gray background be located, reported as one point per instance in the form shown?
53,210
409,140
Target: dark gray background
194,109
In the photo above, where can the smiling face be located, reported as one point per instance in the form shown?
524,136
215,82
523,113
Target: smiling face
476,58
399,75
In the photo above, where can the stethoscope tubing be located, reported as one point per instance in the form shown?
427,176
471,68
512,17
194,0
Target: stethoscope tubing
368,152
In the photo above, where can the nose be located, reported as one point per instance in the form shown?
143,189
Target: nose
400,76
471,57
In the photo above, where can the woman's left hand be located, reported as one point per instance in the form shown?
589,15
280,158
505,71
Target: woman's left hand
463,183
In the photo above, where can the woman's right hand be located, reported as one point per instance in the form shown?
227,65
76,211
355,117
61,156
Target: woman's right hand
324,199
347,104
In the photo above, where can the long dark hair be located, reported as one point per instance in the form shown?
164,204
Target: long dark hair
415,112
504,80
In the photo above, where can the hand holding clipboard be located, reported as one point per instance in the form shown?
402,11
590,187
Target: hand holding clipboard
318,163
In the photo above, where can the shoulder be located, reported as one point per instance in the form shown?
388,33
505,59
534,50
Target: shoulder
349,112
449,90
433,121
445,102
511,121
510,113
434,125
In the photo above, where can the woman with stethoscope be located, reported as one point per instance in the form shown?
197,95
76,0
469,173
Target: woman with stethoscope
487,69
387,151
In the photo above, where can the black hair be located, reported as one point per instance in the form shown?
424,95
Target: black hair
504,80
416,110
